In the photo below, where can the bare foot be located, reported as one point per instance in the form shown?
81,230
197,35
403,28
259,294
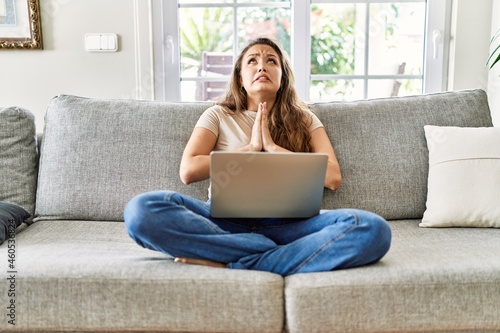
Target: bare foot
200,262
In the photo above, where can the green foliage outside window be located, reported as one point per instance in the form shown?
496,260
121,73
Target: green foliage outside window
332,49
213,33
332,43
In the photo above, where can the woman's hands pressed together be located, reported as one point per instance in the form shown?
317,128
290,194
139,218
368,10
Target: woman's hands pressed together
256,138
261,139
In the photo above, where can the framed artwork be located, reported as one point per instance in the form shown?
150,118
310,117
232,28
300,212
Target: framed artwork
20,24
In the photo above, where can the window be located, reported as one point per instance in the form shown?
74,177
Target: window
340,50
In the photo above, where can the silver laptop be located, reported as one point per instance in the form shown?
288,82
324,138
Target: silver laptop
253,185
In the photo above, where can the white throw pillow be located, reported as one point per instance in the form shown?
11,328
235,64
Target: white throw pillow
464,177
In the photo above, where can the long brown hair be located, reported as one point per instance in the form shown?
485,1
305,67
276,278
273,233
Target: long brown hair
288,119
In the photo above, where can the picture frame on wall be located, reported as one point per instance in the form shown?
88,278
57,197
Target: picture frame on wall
20,24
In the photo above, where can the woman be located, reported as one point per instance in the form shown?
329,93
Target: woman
261,112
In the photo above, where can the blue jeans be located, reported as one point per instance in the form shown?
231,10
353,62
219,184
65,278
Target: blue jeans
181,226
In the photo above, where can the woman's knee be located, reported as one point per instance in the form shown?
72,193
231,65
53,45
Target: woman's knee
379,235
134,213
139,211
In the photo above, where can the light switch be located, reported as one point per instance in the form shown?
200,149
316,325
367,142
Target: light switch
92,43
104,43
112,42
101,42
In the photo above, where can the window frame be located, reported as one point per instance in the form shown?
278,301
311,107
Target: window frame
166,48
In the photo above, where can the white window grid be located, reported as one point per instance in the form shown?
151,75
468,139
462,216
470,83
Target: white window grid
167,57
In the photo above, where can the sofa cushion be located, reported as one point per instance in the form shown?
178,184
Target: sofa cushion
382,151
90,276
11,217
431,280
464,177
97,154
18,157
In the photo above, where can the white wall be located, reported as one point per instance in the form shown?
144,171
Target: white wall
30,78
469,48
469,45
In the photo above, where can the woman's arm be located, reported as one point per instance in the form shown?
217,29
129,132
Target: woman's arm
321,144
195,163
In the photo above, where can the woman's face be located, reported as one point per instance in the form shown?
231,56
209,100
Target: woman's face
261,70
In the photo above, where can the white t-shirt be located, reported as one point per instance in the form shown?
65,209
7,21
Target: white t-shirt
234,129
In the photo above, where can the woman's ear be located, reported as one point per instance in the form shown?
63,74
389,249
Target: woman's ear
242,88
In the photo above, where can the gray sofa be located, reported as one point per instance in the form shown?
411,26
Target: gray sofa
76,269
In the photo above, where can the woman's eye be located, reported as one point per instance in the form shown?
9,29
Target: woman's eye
272,61
251,61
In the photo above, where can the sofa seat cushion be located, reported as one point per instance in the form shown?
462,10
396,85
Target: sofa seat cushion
82,274
431,280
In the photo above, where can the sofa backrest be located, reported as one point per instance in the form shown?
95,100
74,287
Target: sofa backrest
382,150
97,154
